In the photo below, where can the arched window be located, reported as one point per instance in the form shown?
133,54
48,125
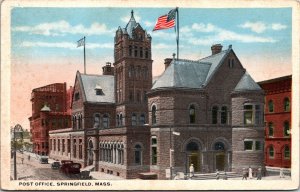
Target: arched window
287,104
146,53
215,114
271,129
287,152
138,154
133,120
74,122
141,52
105,121
224,115
153,114
135,51
118,120
192,146
192,114
271,152
286,127
121,119
130,50
79,121
219,146
96,120
271,106
142,119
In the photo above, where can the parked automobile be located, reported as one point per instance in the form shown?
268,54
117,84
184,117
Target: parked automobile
64,165
55,165
43,160
73,168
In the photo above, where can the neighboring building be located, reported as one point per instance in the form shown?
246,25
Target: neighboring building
278,121
50,111
123,123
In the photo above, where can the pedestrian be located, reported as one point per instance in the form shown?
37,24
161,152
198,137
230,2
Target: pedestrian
250,172
244,174
217,174
259,174
28,157
281,174
22,159
192,171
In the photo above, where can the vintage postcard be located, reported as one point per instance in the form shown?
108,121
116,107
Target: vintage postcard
135,95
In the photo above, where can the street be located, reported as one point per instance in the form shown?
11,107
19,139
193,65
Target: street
33,170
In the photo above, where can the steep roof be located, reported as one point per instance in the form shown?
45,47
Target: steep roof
190,74
92,82
215,61
246,83
183,74
131,25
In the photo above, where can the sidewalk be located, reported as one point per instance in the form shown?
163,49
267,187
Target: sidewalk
100,176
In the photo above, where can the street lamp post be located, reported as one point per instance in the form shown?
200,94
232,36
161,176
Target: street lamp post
17,129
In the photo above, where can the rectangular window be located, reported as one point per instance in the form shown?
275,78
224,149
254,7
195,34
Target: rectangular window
248,145
258,145
154,150
248,117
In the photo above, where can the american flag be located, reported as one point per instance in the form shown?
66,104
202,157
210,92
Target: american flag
166,21
81,42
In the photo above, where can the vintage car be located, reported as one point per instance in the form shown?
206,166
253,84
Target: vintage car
43,160
64,164
73,168
55,165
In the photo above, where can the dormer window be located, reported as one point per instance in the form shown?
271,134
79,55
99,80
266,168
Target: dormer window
98,90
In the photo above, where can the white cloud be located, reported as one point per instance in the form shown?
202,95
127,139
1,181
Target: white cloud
62,27
149,24
221,35
257,27
260,27
162,46
66,45
163,34
278,26
200,27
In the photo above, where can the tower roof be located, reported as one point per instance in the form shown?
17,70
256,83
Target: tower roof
131,25
247,84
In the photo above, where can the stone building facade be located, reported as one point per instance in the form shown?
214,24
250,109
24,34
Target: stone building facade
217,109
125,124
50,111
277,121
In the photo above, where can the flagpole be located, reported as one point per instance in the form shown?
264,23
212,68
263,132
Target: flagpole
177,38
84,54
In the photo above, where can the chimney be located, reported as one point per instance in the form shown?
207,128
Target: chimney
216,48
108,69
168,61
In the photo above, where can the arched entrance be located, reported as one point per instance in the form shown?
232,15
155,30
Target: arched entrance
193,155
90,153
219,148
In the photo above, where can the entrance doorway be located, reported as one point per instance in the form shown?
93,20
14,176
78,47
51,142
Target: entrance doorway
220,156
193,152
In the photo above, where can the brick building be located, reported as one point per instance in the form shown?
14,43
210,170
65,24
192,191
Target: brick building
123,122
278,120
50,111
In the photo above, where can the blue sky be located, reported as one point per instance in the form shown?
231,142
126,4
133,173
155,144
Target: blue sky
48,32
44,49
